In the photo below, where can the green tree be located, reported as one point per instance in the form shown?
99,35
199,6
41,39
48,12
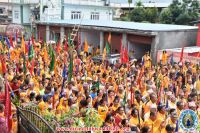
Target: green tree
138,13
151,14
165,16
183,19
129,3
175,9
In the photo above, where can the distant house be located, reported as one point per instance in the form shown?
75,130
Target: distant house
5,12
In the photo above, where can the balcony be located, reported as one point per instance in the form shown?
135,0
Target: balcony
86,2
25,1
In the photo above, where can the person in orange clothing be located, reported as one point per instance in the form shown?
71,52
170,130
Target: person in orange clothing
154,123
164,58
103,109
135,118
162,111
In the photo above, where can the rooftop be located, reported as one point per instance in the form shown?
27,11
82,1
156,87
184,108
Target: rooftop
126,5
147,27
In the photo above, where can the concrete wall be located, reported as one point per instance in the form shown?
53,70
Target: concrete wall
173,39
86,11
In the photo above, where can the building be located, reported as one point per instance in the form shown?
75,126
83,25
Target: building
75,10
139,37
5,12
25,13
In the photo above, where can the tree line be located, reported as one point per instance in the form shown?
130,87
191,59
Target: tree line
181,13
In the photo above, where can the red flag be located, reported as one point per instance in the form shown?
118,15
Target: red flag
123,54
27,47
58,47
125,58
7,112
3,64
181,57
11,41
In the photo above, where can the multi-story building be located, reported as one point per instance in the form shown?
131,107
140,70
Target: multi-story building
75,10
25,13
5,12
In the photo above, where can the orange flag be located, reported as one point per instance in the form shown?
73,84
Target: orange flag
86,45
109,38
23,46
45,56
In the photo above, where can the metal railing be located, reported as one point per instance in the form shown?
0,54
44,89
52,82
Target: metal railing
32,122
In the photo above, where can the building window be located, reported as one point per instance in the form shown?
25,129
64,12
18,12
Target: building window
16,14
95,16
1,11
75,15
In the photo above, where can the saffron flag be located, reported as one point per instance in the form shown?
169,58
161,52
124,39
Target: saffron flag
181,57
86,47
104,54
45,53
8,114
109,38
3,65
23,45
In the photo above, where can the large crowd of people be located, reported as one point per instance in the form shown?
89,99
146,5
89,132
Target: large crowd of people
145,97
